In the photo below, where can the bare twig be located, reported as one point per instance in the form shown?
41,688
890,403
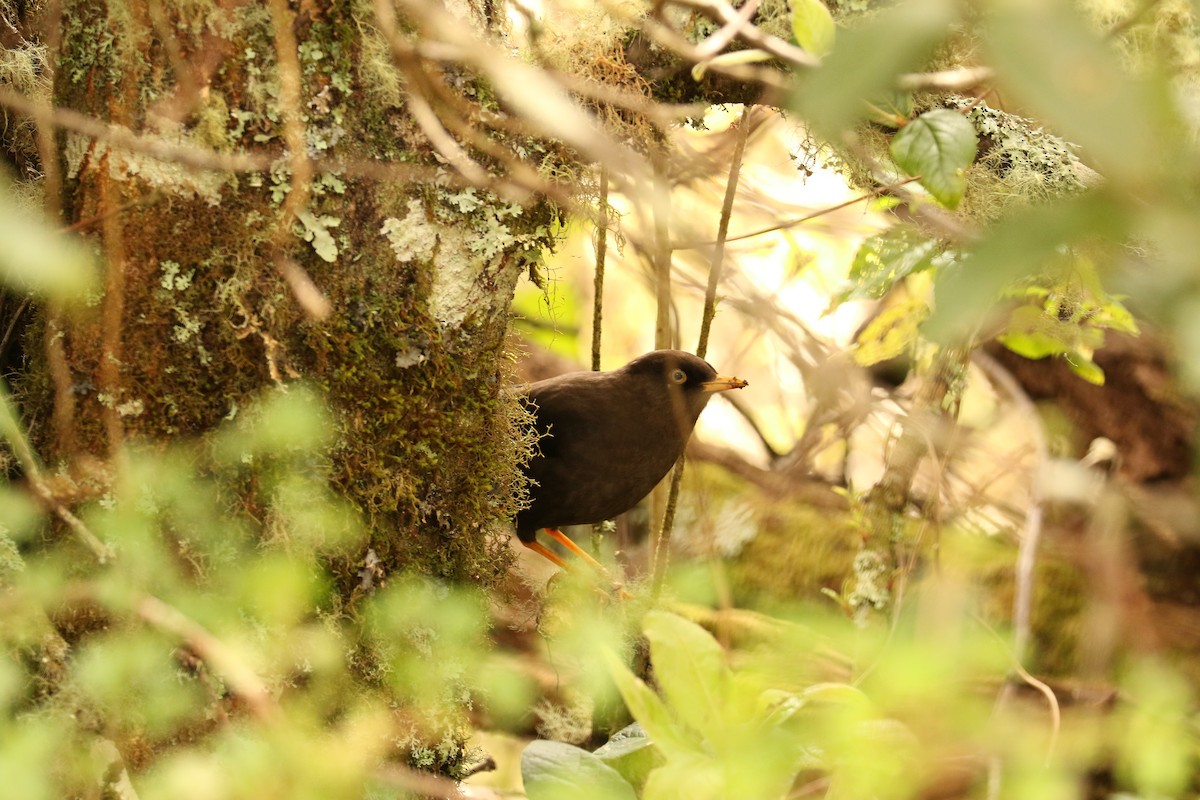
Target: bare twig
236,674
791,223
10,429
125,139
63,415
946,81
725,14
310,299
538,99
191,156
598,304
598,282
1031,535
727,32
718,255
109,372
662,510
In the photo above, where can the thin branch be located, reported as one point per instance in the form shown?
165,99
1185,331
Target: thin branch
193,157
10,429
237,675
791,223
725,14
1031,535
543,103
945,81
125,139
718,256
1040,686
598,306
63,414
598,282
113,310
725,34
664,511
310,298
775,84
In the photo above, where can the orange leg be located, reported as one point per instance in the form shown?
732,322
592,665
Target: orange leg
554,558
546,553
561,538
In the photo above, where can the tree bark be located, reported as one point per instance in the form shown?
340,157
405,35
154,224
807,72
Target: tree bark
210,277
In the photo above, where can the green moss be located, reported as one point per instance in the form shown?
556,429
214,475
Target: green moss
790,549
1059,600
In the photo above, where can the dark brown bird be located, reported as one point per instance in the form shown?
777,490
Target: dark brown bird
607,438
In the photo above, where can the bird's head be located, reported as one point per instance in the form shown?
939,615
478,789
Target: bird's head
687,381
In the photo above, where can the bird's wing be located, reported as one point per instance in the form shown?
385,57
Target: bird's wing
559,407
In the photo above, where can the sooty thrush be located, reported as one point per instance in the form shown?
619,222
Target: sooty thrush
607,438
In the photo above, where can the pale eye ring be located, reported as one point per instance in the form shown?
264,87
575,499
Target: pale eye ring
678,376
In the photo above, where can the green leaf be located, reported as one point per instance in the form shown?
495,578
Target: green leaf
892,109
631,752
937,146
37,258
892,333
813,27
696,777
690,667
647,708
887,258
559,771
1085,368
865,62
1022,244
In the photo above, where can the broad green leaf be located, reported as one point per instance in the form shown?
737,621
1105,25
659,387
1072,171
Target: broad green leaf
891,333
1049,55
937,146
1115,316
1022,244
892,109
631,752
647,708
887,258
690,667
1033,334
1085,368
36,258
865,61
559,771
694,777
813,26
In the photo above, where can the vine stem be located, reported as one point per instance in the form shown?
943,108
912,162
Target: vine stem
663,540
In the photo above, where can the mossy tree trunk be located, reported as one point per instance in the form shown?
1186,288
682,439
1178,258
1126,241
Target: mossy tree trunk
208,274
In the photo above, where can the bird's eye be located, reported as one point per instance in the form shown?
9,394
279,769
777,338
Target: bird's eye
678,376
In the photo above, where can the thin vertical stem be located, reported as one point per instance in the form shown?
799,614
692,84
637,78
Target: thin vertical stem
660,506
63,416
113,312
663,541
662,256
598,282
598,305
718,258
